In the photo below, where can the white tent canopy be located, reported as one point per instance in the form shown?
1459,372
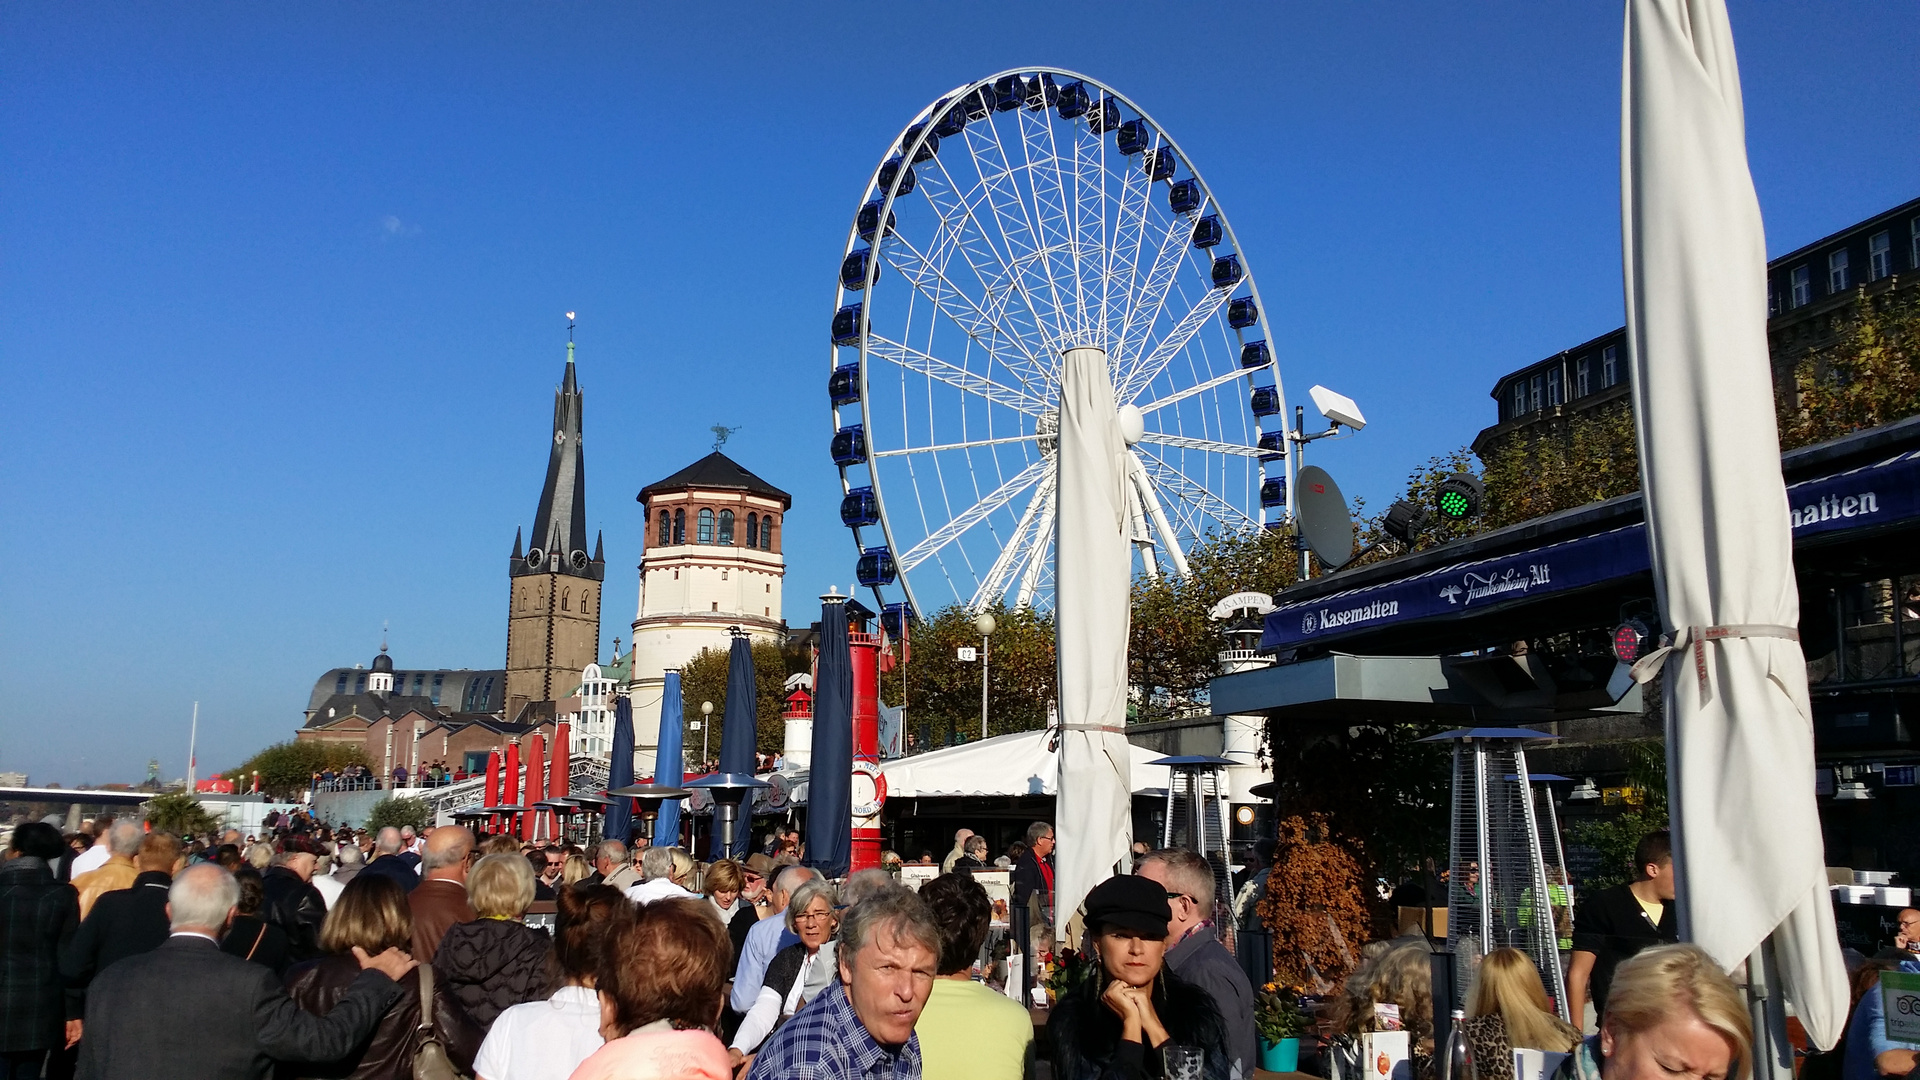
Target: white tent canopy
1018,764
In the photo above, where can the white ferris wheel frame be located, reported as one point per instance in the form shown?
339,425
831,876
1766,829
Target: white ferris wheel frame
1037,518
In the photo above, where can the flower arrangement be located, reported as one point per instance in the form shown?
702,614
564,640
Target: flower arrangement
1069,970
1278,1014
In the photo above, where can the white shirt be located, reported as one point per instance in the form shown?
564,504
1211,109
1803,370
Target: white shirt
328,888
93,858
542,1040
768,1005
656,889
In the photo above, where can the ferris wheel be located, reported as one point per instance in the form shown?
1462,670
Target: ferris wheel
1014,218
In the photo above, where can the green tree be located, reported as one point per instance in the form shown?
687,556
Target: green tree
398,812
287,768
1868,375
943,691
1174,644
1614,839
704,678
180,814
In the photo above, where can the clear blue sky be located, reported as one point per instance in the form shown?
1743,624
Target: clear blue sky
281,285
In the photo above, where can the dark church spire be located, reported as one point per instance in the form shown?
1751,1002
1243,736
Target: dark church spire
559,539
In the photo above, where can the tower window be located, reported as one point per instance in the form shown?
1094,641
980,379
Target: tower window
706,526
666,529
1879,255
753,530
1837,276
566,599
726,527
523,599
769,587
679,526
716,605
723,575
766,533
586,602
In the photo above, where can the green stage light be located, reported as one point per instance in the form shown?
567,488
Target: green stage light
1460,496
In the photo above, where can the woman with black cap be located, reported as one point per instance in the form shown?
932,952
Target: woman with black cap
1125,1023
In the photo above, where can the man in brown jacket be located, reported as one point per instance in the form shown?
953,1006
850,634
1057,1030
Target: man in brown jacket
123,843
441,898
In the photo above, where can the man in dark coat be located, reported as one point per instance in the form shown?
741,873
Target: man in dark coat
1034,872
292,903
441,900
1195,954
125,922
38,915
392,859
190,1011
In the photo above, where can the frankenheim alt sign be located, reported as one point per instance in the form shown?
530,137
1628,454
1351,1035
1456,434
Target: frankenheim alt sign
1862,498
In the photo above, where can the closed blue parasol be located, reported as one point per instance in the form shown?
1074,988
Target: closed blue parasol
620,771
829,773
739,733
669,763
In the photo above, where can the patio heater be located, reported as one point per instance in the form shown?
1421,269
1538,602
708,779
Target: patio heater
1197,799
596,805
728,790
649,796
1497,888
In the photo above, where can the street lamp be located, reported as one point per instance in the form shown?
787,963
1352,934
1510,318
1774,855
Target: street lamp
706,721
984,624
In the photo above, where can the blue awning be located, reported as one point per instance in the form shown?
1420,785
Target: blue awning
1865,498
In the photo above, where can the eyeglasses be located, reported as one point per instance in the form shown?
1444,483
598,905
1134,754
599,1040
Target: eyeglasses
811,917
1171,895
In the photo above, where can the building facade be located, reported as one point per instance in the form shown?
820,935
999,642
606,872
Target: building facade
1808,291
713,562
383,710
554,584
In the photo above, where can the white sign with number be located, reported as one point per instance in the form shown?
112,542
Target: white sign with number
968,653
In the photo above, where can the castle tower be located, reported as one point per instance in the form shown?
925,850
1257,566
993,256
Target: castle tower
553,619
712,562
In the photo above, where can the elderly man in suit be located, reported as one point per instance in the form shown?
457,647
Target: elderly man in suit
190,1011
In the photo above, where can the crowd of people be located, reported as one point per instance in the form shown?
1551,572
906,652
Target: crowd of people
310,952
361,778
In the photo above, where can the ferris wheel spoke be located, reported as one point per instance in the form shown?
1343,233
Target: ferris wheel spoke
1169,479
1051,222
1156,514
929,278
973,515
1145,311
1123,253
1026,254
955,446
1000,576
1149,369
1199,388
953,375
1208,446
1090,230
1037,560
962,230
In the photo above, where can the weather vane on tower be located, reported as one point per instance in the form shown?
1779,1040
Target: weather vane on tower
721,432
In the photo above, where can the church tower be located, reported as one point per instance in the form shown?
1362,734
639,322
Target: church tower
553,619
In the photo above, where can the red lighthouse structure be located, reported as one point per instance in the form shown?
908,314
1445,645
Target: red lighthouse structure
869,788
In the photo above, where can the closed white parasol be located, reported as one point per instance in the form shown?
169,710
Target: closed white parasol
1739,729
1093,820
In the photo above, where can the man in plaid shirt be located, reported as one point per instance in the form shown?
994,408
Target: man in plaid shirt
862,1028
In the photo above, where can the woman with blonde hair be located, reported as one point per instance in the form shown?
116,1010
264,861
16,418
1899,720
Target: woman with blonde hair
577,869
497,961
1672,1014
1507,1010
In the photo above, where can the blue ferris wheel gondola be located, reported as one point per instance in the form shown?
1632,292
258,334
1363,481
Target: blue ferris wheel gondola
849,446
843,386
846,325
859,508
875,568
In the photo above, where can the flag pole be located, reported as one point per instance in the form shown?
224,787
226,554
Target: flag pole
193,738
